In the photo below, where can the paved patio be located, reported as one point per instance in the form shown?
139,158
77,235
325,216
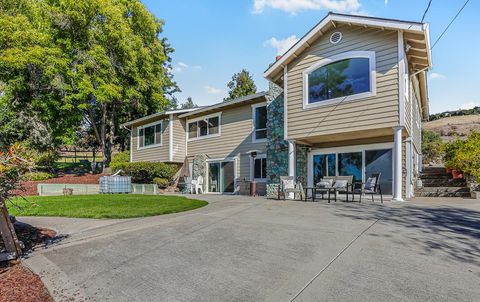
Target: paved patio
252,249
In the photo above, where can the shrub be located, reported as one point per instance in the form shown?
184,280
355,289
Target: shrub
147,171
162,183
467,155
37,176
121,157
46,158
431,146
450,150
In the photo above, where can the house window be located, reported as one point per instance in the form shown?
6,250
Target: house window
259,123
204,127
150,135
344,77
259,167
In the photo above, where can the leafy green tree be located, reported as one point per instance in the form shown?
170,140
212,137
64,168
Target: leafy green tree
432,146
189,104
73,63
242,84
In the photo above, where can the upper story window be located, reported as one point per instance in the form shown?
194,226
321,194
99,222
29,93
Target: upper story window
259,113
340,78
204,127
150,135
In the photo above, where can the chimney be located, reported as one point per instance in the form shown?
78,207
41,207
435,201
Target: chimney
277,58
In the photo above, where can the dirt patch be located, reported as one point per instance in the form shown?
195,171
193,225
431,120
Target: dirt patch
19,284
31,186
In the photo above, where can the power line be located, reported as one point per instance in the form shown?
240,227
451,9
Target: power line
448,26
426,10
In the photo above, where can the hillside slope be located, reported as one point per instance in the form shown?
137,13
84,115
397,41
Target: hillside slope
450,127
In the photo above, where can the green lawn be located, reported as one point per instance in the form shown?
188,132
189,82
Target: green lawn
102,206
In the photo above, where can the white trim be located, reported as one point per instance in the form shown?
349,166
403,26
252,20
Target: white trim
170,138
401,78
370,55
397,163
205,117
220,160
408,164
345,149
252,168
140,137
285,102
131,145
254,116
357,20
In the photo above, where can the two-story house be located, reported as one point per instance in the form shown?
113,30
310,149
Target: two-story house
347,99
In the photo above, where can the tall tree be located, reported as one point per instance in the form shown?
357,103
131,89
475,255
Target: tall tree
241,85
93,62
189,104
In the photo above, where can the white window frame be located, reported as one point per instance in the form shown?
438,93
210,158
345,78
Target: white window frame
347,149
205,117
370,55
252,168
154,124
254,130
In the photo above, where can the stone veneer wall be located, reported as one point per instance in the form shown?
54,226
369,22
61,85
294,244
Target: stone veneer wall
200,168
277,147
301,164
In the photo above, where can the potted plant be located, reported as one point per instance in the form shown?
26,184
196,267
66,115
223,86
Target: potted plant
450,158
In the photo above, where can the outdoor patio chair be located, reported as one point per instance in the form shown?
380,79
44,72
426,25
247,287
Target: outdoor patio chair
342,185
288,185
371,186
197,185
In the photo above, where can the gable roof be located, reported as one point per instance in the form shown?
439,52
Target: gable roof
227,104
415,32
155,116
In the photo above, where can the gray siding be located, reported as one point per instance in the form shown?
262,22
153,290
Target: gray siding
157,153
379,111
178,139
235,140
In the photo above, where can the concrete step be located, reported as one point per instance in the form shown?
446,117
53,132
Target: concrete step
444,189
432,182
443,194
436,176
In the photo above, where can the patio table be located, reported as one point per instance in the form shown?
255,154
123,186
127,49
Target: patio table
314,191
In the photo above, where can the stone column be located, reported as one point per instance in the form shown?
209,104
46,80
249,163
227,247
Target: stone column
397,164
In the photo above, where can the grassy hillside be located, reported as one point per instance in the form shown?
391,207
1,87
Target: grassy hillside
449,127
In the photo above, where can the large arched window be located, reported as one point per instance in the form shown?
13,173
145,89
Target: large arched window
343,77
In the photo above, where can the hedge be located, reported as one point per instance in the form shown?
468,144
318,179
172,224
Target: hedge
145,172
37,176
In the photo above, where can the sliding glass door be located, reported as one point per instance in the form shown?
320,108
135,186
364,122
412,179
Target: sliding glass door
360,163
221,177
380,161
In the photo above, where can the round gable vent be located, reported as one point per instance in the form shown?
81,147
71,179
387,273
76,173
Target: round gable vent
336,37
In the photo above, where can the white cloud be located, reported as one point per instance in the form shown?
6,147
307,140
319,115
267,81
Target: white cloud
294,6
281,45
386,2
436,75
182,66
469,105
212,90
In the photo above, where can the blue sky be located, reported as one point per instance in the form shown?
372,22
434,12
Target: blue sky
213,39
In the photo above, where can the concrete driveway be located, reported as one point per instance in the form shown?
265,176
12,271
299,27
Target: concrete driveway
252,249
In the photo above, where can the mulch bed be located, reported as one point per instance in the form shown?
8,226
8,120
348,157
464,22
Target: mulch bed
18,283
30,187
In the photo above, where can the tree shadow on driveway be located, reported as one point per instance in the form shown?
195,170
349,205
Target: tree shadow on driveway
453,231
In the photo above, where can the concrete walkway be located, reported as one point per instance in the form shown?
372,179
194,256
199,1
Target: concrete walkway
252,249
